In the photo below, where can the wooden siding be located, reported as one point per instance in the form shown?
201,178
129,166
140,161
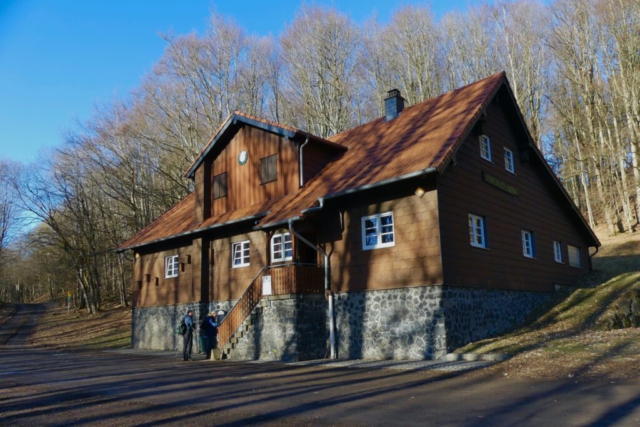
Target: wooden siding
151,288
413,261
316,156
203,193
538,207
230,283
243,181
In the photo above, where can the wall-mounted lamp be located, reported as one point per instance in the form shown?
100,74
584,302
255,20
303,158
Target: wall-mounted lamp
419,192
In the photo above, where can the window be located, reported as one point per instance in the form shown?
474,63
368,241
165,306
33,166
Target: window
575,259
485,147
477,235
268,169
508,160
171,266
557,251
220,186
281,249
377,231
240,253
528,244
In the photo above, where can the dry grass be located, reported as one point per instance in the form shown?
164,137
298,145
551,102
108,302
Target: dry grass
6,311
57,329
565,339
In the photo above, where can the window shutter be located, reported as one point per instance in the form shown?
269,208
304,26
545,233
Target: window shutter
268,169
220,186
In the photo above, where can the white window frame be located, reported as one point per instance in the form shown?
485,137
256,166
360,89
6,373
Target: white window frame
171,266
557,252
485,147
528,244
477,230
238,250
378,231
509,164
571,259
279,244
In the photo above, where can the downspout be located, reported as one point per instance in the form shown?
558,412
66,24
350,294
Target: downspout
301,163
591,258
327,289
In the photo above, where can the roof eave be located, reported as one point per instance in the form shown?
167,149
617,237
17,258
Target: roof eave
194,231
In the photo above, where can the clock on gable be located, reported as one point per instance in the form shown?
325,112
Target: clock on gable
243,157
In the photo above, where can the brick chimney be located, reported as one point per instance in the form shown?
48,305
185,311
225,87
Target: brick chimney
393,104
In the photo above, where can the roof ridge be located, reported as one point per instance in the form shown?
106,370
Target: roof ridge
418,104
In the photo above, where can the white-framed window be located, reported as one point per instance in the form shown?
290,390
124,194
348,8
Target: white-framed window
378,231
528,244
171,266
240,254
575,259
557,251
508,160
485,147
281,247
477,232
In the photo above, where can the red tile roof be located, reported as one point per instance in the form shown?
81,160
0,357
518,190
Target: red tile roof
179,220
423,136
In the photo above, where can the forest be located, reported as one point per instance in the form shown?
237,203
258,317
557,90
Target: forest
573,65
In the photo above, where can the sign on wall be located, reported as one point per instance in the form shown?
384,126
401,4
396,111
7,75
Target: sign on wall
266,285
499,184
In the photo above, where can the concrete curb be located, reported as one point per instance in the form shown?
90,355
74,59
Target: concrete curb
475,357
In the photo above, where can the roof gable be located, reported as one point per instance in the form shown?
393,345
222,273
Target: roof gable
240,118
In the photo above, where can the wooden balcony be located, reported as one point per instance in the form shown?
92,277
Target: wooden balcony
296,279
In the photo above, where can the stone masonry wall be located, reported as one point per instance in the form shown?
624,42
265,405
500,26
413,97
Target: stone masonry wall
425,322
287,329
153,328
405,323
409,323
474,314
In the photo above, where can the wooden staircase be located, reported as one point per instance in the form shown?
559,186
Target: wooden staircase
285,279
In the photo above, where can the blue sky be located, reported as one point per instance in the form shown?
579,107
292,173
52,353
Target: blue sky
60,58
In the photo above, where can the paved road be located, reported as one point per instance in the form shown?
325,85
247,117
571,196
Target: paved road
132,388
15,332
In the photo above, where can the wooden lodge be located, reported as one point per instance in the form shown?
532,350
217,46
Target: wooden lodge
434,226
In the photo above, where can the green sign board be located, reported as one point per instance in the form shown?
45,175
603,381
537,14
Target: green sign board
499,184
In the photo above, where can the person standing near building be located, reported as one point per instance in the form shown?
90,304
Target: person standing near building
188,336
211,330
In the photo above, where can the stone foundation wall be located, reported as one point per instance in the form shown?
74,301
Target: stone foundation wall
474,314
153,328
409,323
425,322
403,323
287,329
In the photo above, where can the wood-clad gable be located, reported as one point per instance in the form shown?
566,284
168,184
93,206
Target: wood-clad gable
527,199
227,183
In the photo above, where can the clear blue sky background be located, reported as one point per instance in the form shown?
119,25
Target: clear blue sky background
59,58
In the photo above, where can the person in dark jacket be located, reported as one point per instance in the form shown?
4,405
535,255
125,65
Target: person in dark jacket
211,330
188,336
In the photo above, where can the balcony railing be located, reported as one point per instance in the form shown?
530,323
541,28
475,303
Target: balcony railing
285,279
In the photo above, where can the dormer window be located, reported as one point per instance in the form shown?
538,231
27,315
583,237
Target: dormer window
269,169
485,147
508,160
220,186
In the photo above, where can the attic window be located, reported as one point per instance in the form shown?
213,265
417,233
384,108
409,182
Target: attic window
268,169
485,147
220,186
